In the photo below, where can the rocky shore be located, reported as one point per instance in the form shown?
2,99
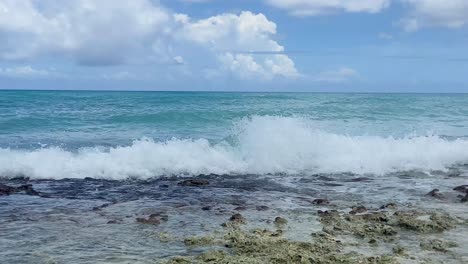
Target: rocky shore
216,219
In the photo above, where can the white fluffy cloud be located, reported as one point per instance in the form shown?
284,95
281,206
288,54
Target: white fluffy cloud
92,32
435,13
109,32
320,7
230,36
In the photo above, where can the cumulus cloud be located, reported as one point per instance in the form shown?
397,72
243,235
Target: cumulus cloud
225,34
321,7
435,13
111,32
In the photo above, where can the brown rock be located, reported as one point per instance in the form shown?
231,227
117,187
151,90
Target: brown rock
237,218
280,221
358,209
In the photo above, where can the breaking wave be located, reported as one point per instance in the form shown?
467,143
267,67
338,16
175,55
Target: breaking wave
257,145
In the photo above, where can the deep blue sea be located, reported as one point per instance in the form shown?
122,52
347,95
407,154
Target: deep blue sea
77,134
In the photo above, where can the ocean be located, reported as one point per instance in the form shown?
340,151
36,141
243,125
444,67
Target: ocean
101,160
117,135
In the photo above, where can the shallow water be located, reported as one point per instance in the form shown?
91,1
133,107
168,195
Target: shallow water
68,226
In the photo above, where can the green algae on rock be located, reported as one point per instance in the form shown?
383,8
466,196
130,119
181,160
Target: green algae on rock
269,247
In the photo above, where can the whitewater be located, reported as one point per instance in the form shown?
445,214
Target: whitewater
257,145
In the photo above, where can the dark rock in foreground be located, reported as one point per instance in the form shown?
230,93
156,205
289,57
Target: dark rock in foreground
8,190
194,182
461,188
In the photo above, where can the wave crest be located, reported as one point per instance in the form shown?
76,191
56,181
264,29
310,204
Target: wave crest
260,145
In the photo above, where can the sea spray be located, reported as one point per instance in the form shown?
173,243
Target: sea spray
258,145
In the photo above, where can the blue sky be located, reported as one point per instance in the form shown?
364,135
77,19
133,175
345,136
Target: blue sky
244,45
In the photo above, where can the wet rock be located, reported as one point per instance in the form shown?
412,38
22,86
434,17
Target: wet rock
464,199
391,206
280,221
151,220
435,193
198,241
99,208
194,182
320,201
6,190
399,250
262,208
237,218
461,188
162,216
206,208
240,208
27,189
328,213
358,209
437,245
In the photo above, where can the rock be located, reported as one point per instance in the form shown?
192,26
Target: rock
262,208
358,209
328,213
154,219
99,208
392,206
437,245
435,193
461,188
6,190
240,208
320,201
206,208
27,189
464,199
280,221
237,218
194,182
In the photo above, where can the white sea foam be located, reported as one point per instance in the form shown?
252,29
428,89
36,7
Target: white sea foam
262,144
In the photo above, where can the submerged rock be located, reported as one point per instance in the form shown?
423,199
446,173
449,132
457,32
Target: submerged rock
280,221
320,201
435,193
358,209
238,219
437,245
262,208
153,219
194,182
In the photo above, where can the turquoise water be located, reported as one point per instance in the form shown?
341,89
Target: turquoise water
101,160
144,134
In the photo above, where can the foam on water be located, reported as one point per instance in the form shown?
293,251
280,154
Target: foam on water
258,145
